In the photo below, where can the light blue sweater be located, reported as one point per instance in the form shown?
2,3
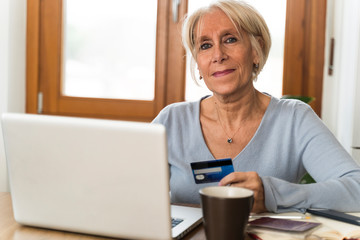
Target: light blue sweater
290,141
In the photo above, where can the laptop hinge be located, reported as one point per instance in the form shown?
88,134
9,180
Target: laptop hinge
40,103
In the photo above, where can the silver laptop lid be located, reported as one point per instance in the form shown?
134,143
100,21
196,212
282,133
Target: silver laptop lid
99,177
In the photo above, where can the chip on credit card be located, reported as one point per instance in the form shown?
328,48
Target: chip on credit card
211,171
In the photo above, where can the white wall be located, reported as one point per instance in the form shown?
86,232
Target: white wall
341,96
12,67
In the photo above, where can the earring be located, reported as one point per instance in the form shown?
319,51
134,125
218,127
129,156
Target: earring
256,68
200,77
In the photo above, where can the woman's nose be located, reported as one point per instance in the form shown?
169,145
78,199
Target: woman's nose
219,54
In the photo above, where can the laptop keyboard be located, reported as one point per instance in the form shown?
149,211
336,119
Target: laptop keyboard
175,221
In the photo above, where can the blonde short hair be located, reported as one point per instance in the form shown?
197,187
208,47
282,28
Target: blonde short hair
244,17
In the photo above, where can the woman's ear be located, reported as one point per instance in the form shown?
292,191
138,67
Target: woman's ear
260,41
256,58
257,48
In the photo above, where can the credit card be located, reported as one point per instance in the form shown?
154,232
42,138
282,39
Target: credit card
211,171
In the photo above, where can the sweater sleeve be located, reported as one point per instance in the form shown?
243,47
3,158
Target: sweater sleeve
337,175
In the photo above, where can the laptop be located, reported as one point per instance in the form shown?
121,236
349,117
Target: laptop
101,177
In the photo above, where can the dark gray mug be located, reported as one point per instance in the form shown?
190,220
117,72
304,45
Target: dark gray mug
226,211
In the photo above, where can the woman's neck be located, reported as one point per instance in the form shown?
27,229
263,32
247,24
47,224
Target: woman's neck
233,112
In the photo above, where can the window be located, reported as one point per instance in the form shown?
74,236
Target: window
50,65
104,55
48,37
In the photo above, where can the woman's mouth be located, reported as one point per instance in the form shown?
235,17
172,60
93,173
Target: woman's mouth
222,73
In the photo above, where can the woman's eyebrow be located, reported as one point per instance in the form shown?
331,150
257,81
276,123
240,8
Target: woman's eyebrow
203,38
227,34
223,33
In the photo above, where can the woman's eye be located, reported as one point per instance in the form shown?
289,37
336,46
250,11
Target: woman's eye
231,40
205,46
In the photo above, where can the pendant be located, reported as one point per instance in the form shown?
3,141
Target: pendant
229,140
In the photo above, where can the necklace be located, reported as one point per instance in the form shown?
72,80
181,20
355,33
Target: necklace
229,139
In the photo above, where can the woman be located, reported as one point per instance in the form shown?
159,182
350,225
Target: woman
271,142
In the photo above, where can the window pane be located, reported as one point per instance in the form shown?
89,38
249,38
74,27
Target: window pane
270,79
109,49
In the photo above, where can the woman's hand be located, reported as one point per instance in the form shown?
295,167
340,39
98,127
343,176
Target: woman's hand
249,180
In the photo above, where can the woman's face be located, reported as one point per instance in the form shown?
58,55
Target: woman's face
225,59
